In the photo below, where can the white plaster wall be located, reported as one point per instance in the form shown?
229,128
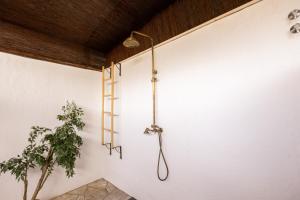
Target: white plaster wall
229,103
32,93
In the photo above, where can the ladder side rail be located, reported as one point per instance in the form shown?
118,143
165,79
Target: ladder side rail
112,103
103,93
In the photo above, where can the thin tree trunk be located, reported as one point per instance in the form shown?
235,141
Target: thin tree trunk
48,173
46,177
44,172
38,187
25,187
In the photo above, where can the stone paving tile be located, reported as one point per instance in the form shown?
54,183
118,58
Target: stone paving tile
117,195
110,187
97,190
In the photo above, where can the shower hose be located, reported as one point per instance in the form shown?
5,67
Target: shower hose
161,154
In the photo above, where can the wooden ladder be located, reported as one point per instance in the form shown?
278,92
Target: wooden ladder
110,96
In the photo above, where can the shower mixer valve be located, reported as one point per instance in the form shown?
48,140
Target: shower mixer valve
153,130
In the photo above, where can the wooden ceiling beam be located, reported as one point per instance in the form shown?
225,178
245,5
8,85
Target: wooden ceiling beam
174,20
24,42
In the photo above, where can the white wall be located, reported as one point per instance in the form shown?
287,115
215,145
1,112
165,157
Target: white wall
32,93
229,103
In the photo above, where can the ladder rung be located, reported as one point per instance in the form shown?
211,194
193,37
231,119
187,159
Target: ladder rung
115,98
109,113
112,82
109,130
107,95
107,79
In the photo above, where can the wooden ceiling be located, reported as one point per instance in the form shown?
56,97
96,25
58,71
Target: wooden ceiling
88,33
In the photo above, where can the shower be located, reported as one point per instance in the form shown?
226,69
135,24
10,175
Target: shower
132,42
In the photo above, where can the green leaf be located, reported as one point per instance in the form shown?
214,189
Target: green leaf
50,148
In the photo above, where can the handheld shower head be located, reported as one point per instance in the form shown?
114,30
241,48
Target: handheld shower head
131,42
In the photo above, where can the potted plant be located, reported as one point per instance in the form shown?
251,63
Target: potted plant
48,149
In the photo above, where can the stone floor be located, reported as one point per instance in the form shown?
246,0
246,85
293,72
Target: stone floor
97,190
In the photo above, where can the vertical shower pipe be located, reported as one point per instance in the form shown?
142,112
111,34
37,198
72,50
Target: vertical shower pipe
154,73
153,80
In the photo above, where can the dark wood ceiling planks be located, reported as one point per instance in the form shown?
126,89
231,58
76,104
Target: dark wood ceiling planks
89,32
179,17
25,42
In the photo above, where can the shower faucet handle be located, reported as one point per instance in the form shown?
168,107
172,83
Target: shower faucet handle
147,131
153,130
156,128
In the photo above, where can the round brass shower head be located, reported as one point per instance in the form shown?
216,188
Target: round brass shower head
131,42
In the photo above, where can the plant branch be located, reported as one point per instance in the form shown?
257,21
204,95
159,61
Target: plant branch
44,171
49,148
25,186
45,179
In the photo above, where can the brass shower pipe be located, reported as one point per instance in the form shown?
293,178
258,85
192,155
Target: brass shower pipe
154,76
132,42
153,79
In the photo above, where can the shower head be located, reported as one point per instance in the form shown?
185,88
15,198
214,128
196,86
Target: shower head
131,42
